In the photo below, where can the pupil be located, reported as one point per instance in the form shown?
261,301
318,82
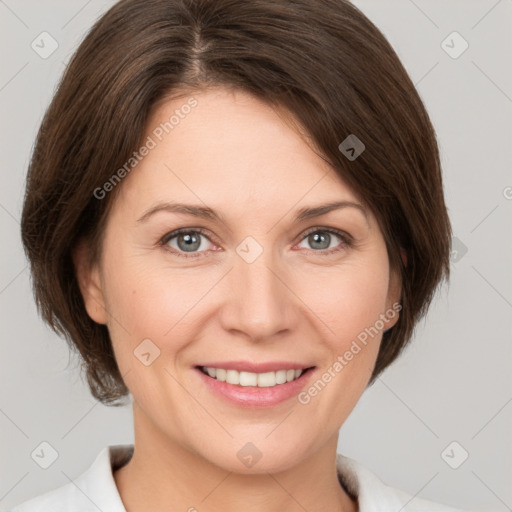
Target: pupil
318,238
192,242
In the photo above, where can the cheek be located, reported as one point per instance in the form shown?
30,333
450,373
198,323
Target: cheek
152,312
150,303
349,299
349,302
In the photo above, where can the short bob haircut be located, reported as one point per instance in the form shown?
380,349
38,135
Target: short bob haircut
323,62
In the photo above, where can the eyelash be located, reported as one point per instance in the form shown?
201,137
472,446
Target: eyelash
347,241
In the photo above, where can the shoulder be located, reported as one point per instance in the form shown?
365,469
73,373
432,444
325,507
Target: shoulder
375,496
56,500
93,490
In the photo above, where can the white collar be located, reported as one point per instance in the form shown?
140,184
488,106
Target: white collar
96,488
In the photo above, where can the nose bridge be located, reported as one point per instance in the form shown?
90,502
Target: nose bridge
261,301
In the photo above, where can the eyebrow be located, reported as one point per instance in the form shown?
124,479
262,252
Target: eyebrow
207,213
317,211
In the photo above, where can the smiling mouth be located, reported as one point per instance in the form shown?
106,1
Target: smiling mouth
250,379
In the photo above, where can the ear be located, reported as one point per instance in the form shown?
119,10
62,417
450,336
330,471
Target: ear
393,306
89,281
403,255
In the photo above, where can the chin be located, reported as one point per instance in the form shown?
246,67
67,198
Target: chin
258,457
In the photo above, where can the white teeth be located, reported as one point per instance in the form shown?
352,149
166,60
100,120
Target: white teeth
281,377
261,380
267,379
233,377
248,379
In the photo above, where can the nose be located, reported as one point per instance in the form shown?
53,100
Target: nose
260,303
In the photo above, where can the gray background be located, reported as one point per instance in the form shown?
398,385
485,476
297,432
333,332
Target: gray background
453,382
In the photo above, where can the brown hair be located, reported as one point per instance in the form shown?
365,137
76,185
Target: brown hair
322,60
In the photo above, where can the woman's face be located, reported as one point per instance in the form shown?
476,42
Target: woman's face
249,281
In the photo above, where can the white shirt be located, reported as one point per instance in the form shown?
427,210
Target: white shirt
95,489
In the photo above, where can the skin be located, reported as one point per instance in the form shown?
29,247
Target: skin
295,302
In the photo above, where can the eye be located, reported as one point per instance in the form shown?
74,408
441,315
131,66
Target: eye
183,241
190,243
320,240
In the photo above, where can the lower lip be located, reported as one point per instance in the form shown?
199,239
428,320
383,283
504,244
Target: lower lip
253,396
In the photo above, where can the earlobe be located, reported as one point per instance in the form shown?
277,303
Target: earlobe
90,285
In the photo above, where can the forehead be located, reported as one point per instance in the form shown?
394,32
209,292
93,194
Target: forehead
229,146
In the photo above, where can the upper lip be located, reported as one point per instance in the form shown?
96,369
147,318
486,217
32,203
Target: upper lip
247,366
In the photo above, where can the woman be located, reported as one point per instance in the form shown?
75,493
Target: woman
235,214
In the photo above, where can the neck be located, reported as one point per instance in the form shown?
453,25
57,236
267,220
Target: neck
164,475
